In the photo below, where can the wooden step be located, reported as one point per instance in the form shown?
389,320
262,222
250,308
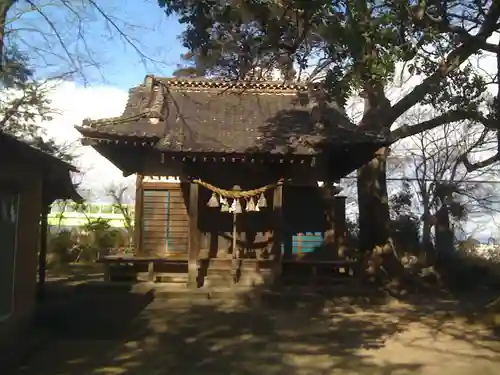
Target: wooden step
241,275
216,270
172,278
226,277
251,264
219,280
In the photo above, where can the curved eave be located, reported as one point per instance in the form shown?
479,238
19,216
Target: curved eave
87,131
59,185
94,137
118,148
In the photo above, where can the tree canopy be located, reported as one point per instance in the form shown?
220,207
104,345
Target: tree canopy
45,42
24,104
356,48
353,46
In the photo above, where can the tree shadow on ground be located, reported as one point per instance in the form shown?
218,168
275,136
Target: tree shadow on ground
114,331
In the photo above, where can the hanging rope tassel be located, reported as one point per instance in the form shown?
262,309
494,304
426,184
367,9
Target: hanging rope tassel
262,201
237,206
224,206
250,207
213,201
237,194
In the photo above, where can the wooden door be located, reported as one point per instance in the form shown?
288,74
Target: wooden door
164,223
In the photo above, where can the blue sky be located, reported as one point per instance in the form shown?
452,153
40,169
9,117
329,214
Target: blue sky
121,68
143,21
100,91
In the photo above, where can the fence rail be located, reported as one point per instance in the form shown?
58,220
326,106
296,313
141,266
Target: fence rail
70,215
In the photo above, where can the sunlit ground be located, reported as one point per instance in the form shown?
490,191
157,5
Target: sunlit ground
108,331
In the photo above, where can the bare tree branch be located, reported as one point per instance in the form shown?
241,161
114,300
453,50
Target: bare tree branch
456,58
442,119
434,158
118,194
471,167
423,18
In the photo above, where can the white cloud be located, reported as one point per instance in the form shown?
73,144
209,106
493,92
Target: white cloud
73,105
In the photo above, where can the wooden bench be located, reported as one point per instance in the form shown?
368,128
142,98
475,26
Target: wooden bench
347,265
132,261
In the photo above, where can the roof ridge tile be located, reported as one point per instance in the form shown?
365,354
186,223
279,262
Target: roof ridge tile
272,87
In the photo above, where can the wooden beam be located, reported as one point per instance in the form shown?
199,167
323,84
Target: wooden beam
327,193
42,254
340,225
278,229
139,195
194,235
151,271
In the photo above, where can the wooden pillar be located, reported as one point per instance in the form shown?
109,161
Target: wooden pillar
328,194
42,254
340,225
194,235
107,272
139,195
278,229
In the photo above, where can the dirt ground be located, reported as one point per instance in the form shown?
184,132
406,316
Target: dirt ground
118,331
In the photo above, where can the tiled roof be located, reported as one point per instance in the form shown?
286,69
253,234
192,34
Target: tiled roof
222,116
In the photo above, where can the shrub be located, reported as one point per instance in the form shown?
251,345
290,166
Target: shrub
60,245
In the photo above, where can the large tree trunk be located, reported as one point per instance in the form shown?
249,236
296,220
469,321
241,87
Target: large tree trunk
444,234
428,248
373,204
373,201
374,221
